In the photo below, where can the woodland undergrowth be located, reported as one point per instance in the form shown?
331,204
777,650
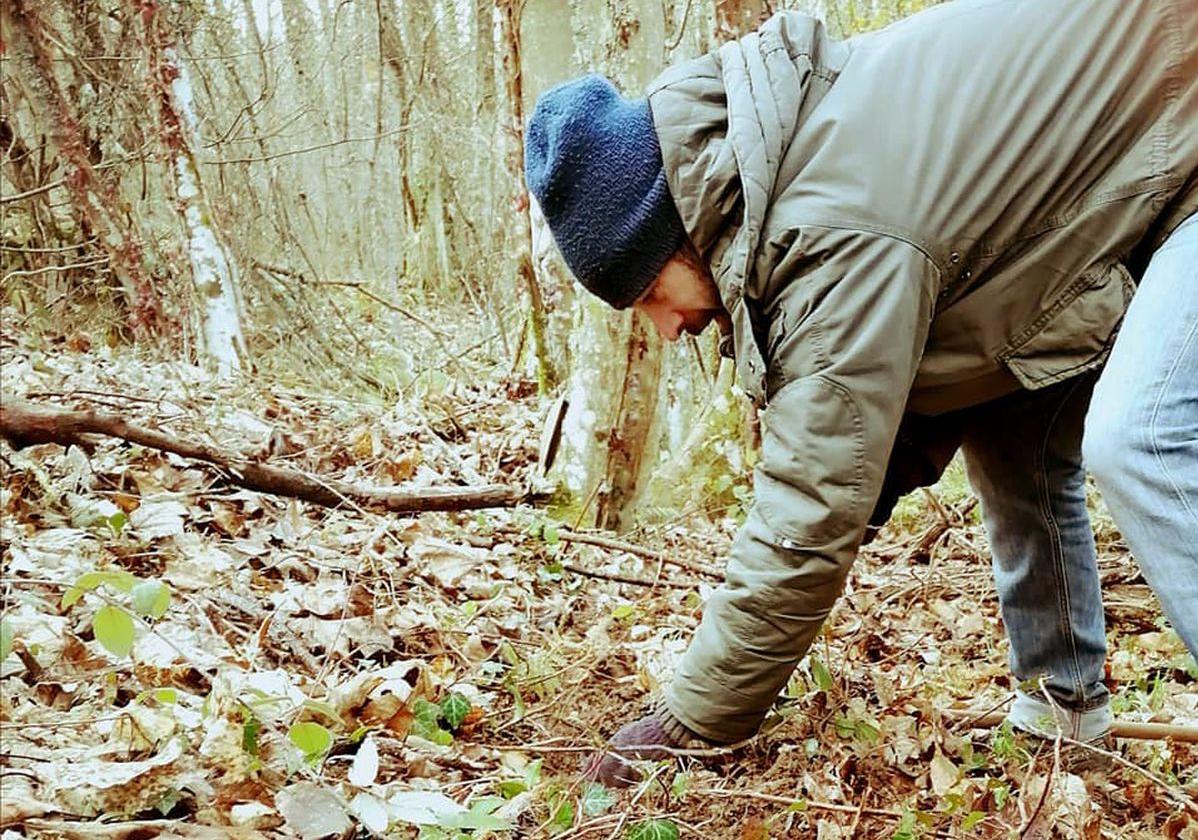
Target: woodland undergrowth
183,657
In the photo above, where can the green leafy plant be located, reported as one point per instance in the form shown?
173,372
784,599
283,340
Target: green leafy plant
426,722
821,675
312,739
529,778
113,628
561,809
113,623
596,799
250,727
6,637
454,710
653,830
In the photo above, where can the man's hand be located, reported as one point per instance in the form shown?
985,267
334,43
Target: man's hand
650,738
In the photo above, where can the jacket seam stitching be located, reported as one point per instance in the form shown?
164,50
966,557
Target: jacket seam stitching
878,230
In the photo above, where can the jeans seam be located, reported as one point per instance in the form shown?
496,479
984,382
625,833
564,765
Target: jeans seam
1153,420
1058,558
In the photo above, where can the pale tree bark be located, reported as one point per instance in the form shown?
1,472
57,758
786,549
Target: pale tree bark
610,431
213,270
509,13
734,18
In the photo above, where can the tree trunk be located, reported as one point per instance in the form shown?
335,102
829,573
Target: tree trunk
213,271
96,200
615,380
509,13
634,419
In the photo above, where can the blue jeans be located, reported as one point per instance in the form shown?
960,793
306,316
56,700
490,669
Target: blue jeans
1138,430
1023,455
1141,441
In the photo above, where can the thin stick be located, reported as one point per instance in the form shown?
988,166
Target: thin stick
1120,728
640,551
621,579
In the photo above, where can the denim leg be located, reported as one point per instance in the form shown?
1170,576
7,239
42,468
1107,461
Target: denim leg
1142,431
1023,457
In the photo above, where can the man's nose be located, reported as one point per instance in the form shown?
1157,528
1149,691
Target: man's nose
672,328
669,325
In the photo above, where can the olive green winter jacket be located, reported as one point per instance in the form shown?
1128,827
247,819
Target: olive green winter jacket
915,220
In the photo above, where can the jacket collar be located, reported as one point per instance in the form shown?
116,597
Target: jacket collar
725,122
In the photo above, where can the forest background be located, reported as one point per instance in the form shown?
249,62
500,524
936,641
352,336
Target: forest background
297,231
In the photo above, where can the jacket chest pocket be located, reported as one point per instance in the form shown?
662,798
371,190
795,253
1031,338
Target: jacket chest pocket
1074,333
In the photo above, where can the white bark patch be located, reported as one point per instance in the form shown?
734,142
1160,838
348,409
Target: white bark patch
212,270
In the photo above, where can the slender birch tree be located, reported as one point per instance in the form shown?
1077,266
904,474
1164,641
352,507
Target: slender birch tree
213,270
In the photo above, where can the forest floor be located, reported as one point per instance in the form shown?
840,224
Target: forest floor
188,658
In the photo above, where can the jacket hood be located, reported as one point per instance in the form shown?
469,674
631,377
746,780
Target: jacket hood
725,123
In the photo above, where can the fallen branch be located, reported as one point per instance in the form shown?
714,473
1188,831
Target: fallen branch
25,424
1120,728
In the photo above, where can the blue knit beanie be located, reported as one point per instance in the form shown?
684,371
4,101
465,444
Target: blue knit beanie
593,162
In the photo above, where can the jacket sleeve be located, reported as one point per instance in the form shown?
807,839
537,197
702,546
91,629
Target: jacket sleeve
847,327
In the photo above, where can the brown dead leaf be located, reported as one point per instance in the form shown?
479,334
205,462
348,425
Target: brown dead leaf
80,657
1180,826
389,712
754,829
402,468
126,502
361,601
228,518
363,445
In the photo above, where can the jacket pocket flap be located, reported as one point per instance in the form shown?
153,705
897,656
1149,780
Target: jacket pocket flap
1075,333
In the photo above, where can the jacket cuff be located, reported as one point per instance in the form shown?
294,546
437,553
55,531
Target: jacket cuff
680,737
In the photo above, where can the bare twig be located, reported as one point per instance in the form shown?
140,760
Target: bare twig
1120,728
567,535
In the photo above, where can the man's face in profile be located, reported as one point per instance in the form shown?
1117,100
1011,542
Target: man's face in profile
683,299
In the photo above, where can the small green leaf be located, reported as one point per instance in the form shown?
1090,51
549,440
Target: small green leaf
249,735
511,788
166,696
596,799
972,819
121,581
312,739
549,532
426,722
623,612
799,806
151,598
113,628
653,830
821,675
562,810
454,710
906,827
480,817
117,522
5,639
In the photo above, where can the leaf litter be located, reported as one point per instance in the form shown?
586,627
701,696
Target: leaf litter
288,670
